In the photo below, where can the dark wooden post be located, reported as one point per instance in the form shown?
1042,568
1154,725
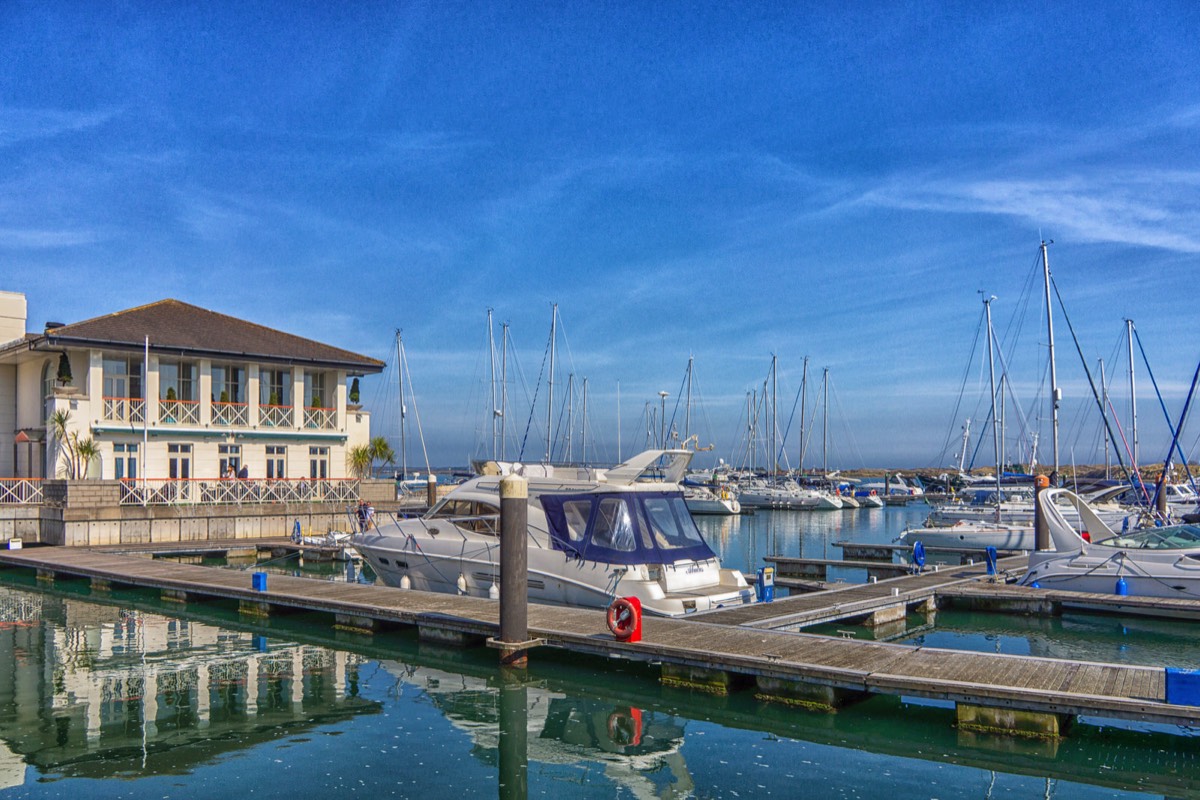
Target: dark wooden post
514,731
431,490
514,579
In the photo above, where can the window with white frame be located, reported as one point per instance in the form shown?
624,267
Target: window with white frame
275,387
230,456
125,458
276,462
318,463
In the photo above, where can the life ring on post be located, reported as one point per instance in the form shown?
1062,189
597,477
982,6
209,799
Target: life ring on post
625,619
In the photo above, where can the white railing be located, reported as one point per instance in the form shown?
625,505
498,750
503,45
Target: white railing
124,409
20,491
166,491
179,412
229,415
317,417
275,416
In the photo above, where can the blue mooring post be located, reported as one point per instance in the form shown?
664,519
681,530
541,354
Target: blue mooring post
258,581
297,536
990,556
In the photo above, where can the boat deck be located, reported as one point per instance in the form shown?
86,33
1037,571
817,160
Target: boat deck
733,641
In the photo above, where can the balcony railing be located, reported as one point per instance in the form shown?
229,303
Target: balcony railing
124,409
275,416
20,491
179,412
166,491
317,417
230,415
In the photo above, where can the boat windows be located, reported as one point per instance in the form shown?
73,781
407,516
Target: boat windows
614,527
626,528
471,515
1174,537
576,514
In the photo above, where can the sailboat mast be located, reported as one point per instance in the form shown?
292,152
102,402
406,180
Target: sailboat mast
583,426
570,416
400,377
1132,392
687,413
774,420
987,304
503,387
825,423
1055,392
803,421
492,364
550,399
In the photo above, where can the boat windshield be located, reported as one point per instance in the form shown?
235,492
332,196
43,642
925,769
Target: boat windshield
625,528
1171,537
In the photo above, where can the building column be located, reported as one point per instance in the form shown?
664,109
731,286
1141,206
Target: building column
252,393
299,401
205,390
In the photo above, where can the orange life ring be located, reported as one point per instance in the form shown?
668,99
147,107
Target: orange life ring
622,619
625,729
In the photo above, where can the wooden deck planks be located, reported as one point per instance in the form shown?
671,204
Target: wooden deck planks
707,639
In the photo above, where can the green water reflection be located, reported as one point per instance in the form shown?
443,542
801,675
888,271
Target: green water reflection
125,696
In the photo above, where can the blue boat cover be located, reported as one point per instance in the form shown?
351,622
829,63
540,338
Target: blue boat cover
625,527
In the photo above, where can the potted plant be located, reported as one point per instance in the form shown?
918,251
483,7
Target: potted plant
224,396
353,396
64,370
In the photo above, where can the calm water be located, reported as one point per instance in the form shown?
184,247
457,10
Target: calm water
127,697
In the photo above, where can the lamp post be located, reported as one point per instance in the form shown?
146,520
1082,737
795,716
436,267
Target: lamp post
662,423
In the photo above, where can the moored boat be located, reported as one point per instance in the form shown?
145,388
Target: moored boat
593,535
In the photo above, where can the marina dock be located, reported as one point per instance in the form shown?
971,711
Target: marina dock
717,652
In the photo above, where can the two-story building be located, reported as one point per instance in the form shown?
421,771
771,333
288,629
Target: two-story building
170,391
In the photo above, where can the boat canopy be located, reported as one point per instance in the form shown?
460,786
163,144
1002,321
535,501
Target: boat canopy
625,527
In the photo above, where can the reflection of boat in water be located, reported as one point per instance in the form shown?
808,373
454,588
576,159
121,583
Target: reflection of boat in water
639,749
593,535
1150,562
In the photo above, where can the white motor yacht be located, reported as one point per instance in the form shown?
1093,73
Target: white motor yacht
593,535
787,495
1149,562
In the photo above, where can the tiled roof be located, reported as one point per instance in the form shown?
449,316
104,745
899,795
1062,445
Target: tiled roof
174,325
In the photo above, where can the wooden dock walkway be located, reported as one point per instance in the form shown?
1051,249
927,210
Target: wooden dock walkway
696,647
1001,597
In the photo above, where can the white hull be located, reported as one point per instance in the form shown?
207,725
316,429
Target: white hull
715,506
973,537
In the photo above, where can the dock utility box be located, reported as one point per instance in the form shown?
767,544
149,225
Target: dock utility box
1183,687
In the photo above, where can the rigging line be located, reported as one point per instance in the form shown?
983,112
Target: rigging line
952,428
1176,431
416,412
1137,472
837,402
1088,372
533,405
1158,394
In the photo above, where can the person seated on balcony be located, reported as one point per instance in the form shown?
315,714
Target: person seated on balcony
230,472
243,473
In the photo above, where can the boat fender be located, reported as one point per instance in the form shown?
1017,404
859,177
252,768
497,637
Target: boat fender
1122,588
405,581
494,591
462,583
625,619
918,554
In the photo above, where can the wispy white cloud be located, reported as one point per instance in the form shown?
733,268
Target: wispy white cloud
35,239
24,124
1149,208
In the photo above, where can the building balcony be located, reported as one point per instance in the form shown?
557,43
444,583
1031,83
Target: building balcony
320,418
230,415
275,416
179,412
124,409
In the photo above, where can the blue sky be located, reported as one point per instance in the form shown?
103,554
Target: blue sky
836,181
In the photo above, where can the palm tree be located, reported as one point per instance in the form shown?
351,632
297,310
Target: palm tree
86,450
358,461
60,426
380,450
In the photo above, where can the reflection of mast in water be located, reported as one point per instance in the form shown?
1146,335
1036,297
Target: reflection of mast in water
639,749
